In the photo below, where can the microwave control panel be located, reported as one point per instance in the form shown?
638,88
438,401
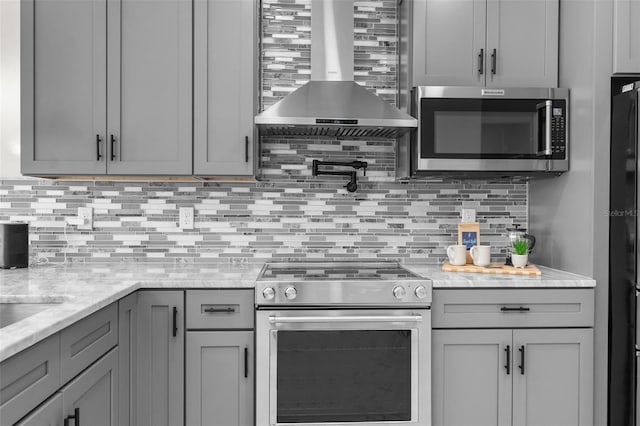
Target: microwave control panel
559,130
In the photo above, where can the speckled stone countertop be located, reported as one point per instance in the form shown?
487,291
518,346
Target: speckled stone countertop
78,290
550,278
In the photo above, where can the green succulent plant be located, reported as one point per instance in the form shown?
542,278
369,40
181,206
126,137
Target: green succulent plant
521,246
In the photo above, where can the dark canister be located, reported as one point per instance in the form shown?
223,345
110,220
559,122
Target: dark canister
14,245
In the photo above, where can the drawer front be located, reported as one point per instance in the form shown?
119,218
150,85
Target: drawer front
28,378
220,309
479,308
87,340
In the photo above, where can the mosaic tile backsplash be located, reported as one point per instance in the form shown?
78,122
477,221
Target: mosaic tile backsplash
287,214
257,221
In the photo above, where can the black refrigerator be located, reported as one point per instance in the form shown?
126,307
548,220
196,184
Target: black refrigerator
624,259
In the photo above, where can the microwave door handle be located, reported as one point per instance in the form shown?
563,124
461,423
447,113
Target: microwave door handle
547,106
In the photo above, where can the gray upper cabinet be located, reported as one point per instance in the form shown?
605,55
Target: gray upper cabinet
448,39
522,43
224,86
626,36
160,358
493,43
107,87
63,98
150,87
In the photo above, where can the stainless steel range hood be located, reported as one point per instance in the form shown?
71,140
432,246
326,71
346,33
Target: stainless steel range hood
332,104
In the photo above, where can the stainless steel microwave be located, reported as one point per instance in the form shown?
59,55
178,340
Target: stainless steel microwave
503,131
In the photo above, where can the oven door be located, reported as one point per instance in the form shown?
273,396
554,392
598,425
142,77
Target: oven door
352,367
489,133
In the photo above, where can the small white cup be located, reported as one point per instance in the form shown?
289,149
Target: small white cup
481,255
457,255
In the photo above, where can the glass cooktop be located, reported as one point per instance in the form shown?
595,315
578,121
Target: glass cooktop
335,271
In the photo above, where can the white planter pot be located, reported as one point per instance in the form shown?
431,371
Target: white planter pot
519,260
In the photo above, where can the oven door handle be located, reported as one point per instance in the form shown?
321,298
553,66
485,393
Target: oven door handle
547,106
273,319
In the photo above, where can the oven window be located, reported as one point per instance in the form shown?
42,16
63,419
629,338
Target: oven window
343,376
479,128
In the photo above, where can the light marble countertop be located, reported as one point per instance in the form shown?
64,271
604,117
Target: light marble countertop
78,290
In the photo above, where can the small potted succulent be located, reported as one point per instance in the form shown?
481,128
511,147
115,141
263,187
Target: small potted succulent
520,255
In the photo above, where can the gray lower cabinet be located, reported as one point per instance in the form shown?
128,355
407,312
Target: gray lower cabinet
106,87
49,414
219,378
160,358
519,377
127,354
28,378
553,378
626,36
224,86
89,399
92,396
493,43
469,383
86,340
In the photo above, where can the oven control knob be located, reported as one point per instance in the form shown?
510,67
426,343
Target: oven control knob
421,292
268,293
399,292
290,293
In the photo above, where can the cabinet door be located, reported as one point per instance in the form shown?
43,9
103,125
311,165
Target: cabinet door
128,349
160,358
64,83
219,381
224,81
94,393
524,36
150,87
626,36
449,42
470,382
49,414
553,378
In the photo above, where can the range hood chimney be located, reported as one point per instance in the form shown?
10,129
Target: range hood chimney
332,104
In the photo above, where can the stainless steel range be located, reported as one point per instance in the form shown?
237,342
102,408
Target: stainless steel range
342,343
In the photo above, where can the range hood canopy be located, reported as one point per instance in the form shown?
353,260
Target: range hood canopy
332,104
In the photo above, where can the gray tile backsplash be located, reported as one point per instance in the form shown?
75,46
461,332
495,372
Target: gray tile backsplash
283,219
287,214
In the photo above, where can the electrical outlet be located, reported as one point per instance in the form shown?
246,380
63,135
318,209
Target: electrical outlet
186,218
468,215
85,215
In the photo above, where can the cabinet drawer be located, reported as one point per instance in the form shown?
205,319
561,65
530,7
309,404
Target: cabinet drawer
87,340
28,378
478,308
219,309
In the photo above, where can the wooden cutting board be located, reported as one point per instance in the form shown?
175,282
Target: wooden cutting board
492,268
